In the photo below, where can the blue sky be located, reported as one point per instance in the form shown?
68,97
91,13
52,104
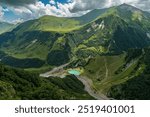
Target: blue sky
23,10
47,1
10,12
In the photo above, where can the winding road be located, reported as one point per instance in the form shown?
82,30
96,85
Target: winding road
106,75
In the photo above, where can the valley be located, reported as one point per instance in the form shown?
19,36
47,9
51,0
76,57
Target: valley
101,55
88,84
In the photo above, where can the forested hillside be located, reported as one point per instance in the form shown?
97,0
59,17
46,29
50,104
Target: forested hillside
138,87
19,84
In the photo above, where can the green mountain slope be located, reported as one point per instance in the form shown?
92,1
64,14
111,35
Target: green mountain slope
38,39
43,46
138,86
134,16
48,37
107,44
121,77
48,23
110,34
18,84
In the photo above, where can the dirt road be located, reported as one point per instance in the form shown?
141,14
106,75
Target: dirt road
54,71
88,87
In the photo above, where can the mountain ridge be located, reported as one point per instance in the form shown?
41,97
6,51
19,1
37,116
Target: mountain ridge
109,33
5,27
111,49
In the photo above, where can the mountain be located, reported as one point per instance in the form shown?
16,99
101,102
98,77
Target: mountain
90,16
113,32
136,86
111,46
124,76
4,27
34,41
55,40
115,56
49,23
134,16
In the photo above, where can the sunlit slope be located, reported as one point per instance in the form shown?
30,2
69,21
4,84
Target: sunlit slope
50,47
49,23
101,70
54,40
116,30
107,35
123,76
39,38
137,86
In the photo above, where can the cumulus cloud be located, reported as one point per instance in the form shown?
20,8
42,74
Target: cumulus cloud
17,2
52,2
39,9
31,9
83,5
143,4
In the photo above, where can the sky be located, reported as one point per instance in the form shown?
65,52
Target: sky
15,11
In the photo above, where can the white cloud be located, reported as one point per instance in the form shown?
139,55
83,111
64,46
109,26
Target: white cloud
70,9
39,9
17,21
35,10
17,2
82,5
52,2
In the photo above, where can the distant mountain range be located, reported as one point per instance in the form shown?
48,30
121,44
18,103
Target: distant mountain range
107,35
5,27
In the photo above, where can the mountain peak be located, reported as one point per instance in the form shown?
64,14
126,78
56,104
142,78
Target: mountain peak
128,7
125,4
